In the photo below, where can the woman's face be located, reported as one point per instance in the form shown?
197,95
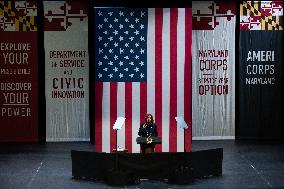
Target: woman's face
149,119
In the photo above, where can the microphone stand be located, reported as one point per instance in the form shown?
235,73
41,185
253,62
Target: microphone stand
184,140
116,140
116,154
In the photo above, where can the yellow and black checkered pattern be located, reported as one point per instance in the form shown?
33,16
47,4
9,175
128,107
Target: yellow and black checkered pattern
7,8
252,8
21,23
25,23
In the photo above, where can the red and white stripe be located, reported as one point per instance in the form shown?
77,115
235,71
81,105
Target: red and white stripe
166,94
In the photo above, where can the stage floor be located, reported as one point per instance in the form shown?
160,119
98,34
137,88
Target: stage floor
37,166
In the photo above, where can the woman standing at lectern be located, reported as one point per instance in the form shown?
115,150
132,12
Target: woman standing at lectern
148,129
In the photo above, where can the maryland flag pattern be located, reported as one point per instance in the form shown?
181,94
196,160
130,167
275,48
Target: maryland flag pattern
261,15
18,16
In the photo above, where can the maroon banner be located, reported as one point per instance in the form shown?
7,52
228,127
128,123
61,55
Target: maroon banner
18,72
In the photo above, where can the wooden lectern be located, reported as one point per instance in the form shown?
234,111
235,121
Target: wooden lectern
148,143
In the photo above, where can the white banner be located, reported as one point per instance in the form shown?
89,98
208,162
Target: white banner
66,71
213,70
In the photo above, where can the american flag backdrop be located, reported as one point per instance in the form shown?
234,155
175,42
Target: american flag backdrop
142,65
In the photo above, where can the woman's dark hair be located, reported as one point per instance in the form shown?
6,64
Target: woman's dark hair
152,119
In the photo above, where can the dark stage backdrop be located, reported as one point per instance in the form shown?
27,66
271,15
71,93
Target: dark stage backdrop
18,71
261,25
